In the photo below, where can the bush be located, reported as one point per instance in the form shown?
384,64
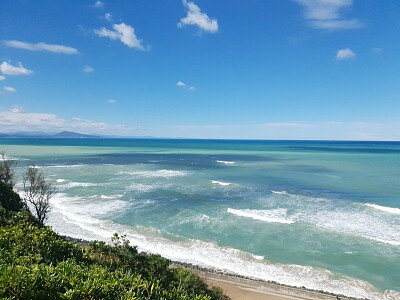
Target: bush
10,200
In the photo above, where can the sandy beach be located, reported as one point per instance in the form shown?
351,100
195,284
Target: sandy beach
246,289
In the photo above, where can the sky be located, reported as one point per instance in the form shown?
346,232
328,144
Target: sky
237,69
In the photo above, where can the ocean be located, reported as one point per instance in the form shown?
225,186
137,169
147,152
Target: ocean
320,214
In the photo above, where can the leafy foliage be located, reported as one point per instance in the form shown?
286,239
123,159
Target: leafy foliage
8,199
36,263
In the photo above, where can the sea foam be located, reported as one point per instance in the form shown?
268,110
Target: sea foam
270,216
157,173
220,183
208,254
226,162
391,210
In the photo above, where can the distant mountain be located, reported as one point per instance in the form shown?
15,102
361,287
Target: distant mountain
46,135
72,135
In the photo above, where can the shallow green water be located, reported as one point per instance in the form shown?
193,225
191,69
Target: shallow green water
324,215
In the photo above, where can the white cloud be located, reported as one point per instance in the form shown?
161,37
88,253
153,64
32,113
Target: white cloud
180,84
108,17
324,14
183,85
8,69
345,54
111,101
41,47
197,18
2,78
122,32
16,109
9,89
99,4
88,69
16,120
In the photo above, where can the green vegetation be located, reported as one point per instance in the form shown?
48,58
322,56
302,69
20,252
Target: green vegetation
37,263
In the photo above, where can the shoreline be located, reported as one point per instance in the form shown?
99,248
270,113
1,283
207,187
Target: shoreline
239,287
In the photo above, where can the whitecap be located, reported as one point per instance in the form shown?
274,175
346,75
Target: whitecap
391,210
270,216
220,183
226,162
280,192
62,166
158,173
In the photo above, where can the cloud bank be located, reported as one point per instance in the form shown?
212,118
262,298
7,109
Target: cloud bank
15,119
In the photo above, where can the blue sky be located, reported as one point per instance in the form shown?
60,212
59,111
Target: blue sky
247,69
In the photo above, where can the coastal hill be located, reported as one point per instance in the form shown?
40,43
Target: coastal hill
46,135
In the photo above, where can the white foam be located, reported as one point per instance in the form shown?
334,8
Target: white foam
391,210
220,182
73,184
270,216
280,192
11,158
354,222
158,173
229,259
226,162
61,180
139,187
62,166
258,257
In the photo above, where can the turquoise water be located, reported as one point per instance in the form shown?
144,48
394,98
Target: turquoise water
324,215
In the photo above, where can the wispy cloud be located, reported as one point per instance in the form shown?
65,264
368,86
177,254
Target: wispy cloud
9,89
197,18
87,69
111,101
15,119
181,84
2,78
9,69
345,54
377,50
98,4
122,32
108,17
41,47
325,14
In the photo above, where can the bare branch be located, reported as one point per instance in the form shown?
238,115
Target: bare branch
7,170
37,192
